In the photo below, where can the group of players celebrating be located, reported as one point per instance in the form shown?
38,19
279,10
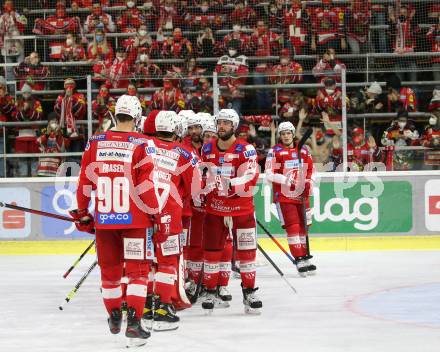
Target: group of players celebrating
174,207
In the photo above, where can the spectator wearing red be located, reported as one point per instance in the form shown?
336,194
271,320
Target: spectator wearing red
145,102
233,70
357,19
71,50
130,19
329,100
291,108
78,4
28,109
70,107
297,24
265,39
204,16
7,113
100,48
327,27
434,104
142,43
11,24
146,72
361,151
399,98
202,99
190,74
151,14
286,72
237,34
98,18
243,14
277,10
59,23
403,30
177,46
51,141
168,98
169,17
103,107
431,140
32,72
328,66
433,36
122,69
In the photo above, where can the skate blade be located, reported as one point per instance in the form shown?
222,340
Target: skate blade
147,324
208,311
252,311
164,326
135,342
222,304
311,273
304,274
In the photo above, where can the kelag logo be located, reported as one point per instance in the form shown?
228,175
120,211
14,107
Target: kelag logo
60,200
114,218
15,223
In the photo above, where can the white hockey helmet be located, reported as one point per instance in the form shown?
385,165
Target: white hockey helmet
285,126
129,105
181,128
208,122
166,121
229,115
193,120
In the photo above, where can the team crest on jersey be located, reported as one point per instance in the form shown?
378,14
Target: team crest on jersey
97,137
277,148
207,148
239,148
150,150
221,160
250,153
294,155
87,146
183,152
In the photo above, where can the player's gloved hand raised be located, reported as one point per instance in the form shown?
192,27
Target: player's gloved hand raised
84,221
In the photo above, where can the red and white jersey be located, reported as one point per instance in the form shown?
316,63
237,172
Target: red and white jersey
431,138
232,175
297,23
268,42
327,24
357,23
331,104
168,99
117,167
242,37
407,98
174,169
130,19
120,72
324,69
359,156
290,184
404,37
187,145
434,36
234,72
57,25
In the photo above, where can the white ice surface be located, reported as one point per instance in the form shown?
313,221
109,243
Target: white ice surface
359,301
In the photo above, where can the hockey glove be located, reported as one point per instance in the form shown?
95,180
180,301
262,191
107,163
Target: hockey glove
84,221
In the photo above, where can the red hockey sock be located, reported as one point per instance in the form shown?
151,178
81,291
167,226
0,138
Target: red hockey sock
211,269
247,267
296,241
165,278
136,294
225,265
112,295
194,263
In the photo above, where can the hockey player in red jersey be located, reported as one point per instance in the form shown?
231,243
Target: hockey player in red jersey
173,177
231,176
116,165
292,187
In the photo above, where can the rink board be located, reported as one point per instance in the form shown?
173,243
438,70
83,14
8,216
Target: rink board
317,244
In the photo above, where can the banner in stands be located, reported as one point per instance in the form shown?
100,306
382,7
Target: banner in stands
369,205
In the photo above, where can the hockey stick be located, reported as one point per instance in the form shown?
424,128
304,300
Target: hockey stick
78,260
36,212
78,285
275,267
276,242
301,143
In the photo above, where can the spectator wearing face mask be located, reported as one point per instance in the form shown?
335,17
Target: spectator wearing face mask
151,15
297,24
98,19
100,49
146,72
243,14
177,46
28,109
204,16
357,25
168,98
361,150
142,43
31,71
236,34
11,24
433,36
206,44
145,100
169,17
329,100
7,113
368,100
265,39
431,140
71,50
103,107
130,19
328,66
121,69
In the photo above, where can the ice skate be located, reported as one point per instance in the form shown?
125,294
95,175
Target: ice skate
223,297
165,318
302,266
136,335
252,304
311,268
115,321
147,316
190,290
208,302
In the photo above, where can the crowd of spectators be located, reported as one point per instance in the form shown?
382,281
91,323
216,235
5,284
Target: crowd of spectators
122,44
